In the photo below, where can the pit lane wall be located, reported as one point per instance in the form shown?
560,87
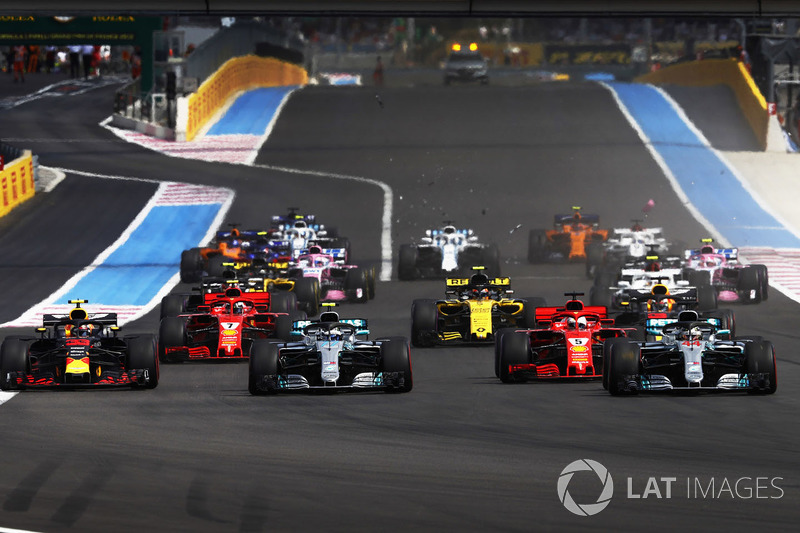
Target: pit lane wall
235,75
16,182
728,72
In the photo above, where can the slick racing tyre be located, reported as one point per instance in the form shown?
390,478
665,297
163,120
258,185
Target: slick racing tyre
498,346
761,360
308,294
490,257
264,361
216,268
282,302
749,286
142,355
173,304
13,358
356,286
529,312
515,350
283,328
706,297
371,274
424,320
191,266
763,278
727,320
396,357
594,258
623,361
407,264
171,333
537,246
607,345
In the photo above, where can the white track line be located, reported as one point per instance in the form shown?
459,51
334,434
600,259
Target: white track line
783,265
156,199
249,160
673,181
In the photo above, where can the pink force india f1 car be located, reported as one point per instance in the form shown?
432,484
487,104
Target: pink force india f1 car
338,281
720,268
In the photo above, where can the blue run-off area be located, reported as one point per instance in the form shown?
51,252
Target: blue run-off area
136,271
706,179
252,112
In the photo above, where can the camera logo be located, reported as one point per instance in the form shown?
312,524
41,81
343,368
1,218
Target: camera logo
586,509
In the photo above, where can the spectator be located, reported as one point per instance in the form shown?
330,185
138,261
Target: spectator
19,63
33,58
50,58
74,60
88,56
377,76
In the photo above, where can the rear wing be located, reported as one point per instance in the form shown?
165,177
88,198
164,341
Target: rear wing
547,313
584,219
497,283
731,254
107,319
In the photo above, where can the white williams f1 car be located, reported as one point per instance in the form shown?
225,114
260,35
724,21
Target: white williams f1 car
447,251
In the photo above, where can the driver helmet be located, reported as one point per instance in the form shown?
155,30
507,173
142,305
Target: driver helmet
582,322
335,334
707,250
571,323
695,334
84,330
238,308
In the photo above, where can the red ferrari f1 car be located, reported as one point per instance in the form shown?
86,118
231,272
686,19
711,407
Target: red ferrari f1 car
567,342
224,328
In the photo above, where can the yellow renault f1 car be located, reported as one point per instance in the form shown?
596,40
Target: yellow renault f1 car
473,310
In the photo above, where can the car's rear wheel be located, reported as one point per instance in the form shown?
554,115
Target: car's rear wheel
727,319
282,302
537,246
515,350
407,264
623,362
607,356
283,327
371,274
13,358
529,312
706,297
424,321
749,286
171,333
191,266
264,361
396,357
761,360
142,355
356,287
491,259
763,278
173,304
594,258
498,346
308,294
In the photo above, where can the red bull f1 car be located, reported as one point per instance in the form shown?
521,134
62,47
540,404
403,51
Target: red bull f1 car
80,349
567,342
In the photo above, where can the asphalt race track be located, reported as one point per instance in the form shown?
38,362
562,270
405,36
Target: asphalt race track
461,451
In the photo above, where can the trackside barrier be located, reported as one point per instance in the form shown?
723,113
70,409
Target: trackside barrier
237,74
16,182
720,71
